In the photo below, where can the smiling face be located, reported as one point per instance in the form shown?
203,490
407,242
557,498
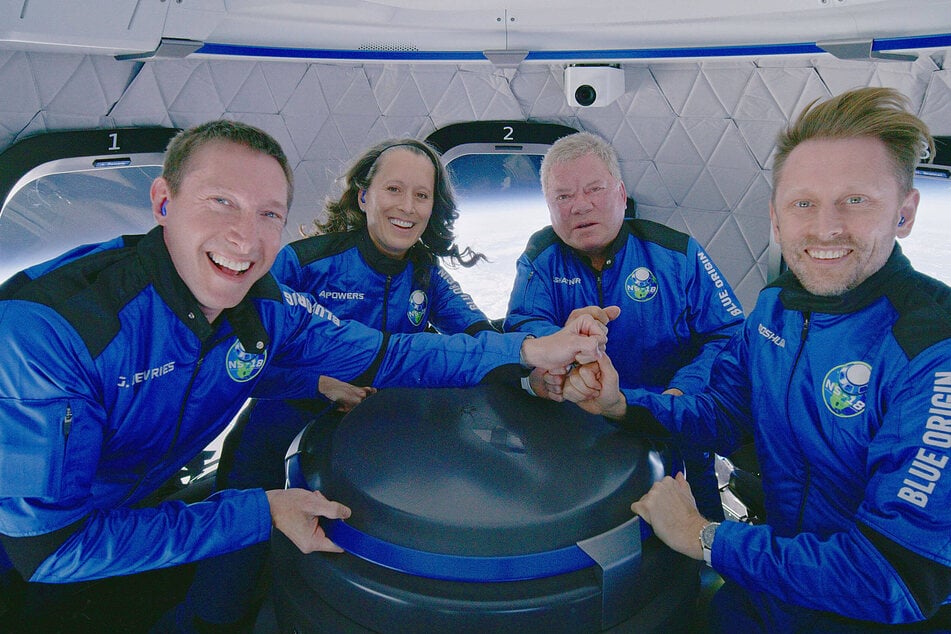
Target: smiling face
835,212
223,226
586,204
399,200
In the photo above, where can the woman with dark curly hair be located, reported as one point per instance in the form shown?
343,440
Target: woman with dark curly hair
374,260
377,251
349,212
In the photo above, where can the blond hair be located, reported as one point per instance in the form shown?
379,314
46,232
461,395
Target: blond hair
881,113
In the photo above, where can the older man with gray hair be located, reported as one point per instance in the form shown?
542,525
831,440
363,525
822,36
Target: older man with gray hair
676,310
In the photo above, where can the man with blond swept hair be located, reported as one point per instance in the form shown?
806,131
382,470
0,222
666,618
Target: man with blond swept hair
843,375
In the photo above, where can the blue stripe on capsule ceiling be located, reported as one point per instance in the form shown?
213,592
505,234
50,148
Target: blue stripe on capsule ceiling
800,48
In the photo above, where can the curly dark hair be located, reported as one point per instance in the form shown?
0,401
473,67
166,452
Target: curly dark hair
438,239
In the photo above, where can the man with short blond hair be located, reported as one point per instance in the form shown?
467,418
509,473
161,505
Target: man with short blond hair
843,376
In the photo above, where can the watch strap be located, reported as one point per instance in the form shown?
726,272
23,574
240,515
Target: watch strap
707,534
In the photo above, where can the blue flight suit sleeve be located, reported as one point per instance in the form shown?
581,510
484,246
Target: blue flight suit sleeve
126,541
52,426
891,561
453,310
531,305
713,316
717,419
432,360
287,269
350,351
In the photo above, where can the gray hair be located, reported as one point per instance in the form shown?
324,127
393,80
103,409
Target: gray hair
574,146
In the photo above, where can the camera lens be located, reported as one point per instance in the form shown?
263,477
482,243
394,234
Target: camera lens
585,94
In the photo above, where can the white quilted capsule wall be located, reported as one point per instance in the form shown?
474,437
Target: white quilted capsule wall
696,139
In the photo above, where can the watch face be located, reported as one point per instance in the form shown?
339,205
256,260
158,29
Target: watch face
706,535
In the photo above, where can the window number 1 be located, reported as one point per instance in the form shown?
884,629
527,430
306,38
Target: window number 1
509,131
115,141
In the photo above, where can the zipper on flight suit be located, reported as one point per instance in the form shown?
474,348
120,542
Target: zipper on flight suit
67,421
598,284
807,317
386,301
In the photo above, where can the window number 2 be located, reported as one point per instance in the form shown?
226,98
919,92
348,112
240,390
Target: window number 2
509,131
114,136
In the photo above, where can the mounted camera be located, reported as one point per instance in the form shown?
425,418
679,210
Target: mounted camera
595,85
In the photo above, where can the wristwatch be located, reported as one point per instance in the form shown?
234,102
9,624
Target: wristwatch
706,540
527,385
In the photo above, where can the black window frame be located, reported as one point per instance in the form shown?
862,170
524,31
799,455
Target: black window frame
73,150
